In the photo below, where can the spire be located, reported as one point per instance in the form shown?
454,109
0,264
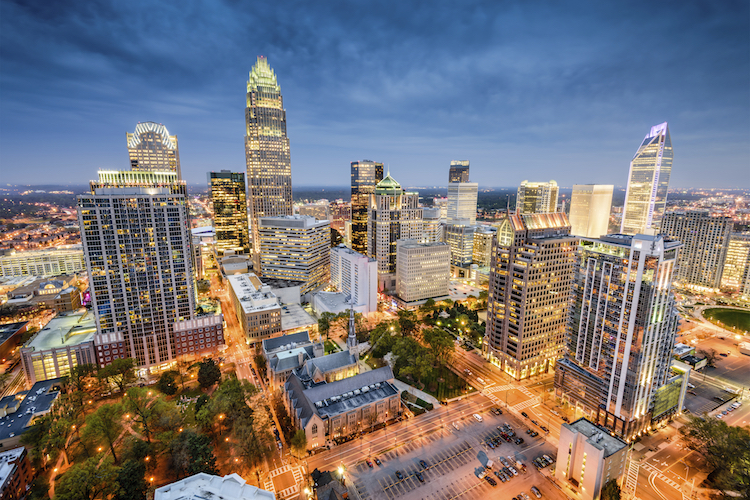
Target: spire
351,341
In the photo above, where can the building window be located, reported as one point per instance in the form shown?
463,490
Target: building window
314,429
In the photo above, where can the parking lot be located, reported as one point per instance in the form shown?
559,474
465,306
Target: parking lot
453,461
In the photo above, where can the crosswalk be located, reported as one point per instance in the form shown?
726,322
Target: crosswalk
661,476
632,478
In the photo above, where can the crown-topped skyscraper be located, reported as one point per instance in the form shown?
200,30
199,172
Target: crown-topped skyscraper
269,169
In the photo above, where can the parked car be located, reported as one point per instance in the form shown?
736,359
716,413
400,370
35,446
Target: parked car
524,414
369,463
519,441
419,476
377,461
490,480
423,464
399,475
478,417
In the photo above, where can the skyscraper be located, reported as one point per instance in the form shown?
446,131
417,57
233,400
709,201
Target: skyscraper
590,205
459,171
462,203
648,181
705,240
537,197
394,214
736,275
422,271
460,239
365,176
151,149
620,331
530,276
355,275
136,240
230,211
269,168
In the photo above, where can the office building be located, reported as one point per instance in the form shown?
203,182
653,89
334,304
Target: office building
152,149
257,307
705,240
648,180
296,248
394,214
320,211
462,203
202,486
590,205
269,168
621,330
459,171
442,204
460,239
530,277
482,248
47,263
422,272
537,197
365,175
356,276
64,343
340,213
137,242
16,474
230,211
736,275
588,457
431,225
200,336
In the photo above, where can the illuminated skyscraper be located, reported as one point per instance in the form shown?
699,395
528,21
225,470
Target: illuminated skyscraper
590,205
537,197
736,273
459,171
230,211
365,176
648,181
151,148
269,168
462,203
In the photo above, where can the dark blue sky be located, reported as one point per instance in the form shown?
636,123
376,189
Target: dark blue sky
525,90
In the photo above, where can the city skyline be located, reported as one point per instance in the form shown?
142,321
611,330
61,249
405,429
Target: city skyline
530,82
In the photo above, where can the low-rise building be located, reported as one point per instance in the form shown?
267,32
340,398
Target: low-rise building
202,486
47,262
64,343
16,475
256,306
18,411
10,337
286,353
200,336
588,457
59,293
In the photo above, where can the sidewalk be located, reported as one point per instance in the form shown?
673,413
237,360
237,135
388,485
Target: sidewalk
413,390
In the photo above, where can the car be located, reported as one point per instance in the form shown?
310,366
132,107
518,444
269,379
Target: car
691,386
518,441
692,392
481,381
377,461
369,463
723,354
566,419
536,492
420,477
534,422
718,398
524,414
525,496
490,480
478,417
554,413
423,464
547,458
513,470
719,416
399,475
490,444
534,434
544,428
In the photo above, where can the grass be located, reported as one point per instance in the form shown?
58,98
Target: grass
732,319
445,384
331,346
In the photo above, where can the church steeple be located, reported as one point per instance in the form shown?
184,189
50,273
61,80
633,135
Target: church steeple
351,340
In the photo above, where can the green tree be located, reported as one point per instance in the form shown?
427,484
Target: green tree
120,372
208,373
191,453
166,383
324,323
427,307
441,343
80,377
611,491
298,443
88,480
407,321
104,424
131,481
144,409
260,362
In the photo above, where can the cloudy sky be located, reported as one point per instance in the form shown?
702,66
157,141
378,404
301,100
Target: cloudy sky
523,89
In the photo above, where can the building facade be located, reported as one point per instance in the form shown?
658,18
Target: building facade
365,175
16,474
736,275
152,149
431,225
137,243
269,167
257,307
462,203
482,250
231,224
199,336
621,330
705,240
355,275
648,181
340,213
394,214
460,239
296,248
459,171
49,262
537,197
530,277
590,205
422,271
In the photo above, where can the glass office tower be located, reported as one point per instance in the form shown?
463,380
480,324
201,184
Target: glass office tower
648,180
459,171
230,211
269,168
537,197
365,176
152,149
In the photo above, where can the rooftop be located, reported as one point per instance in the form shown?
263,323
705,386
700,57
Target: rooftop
65,330
285,342
291,221
344,395
251,294
34,402
343,249
10,329
293,316
204,486
8,462
598,437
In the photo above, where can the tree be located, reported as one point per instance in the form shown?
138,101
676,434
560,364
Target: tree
299,442
191,453
611,490
88,480
427,307
80,377
407,321
104,423
121,372
131,481
260,362
183,367
324,323
711,356
144,408
441,343
208,373
166,383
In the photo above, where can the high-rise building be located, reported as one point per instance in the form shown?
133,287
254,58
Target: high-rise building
433,229
705,240
340,213
47,262
394,214
537,197
459,171
621,330
530,278
422,271
152,149
590,205
648,180
296,248
230,211
269,168
355,275
460,239
482,250
442,204
462,203
736,273
365,176
136,240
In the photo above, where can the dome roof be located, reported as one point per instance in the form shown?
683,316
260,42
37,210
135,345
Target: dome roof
389,183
